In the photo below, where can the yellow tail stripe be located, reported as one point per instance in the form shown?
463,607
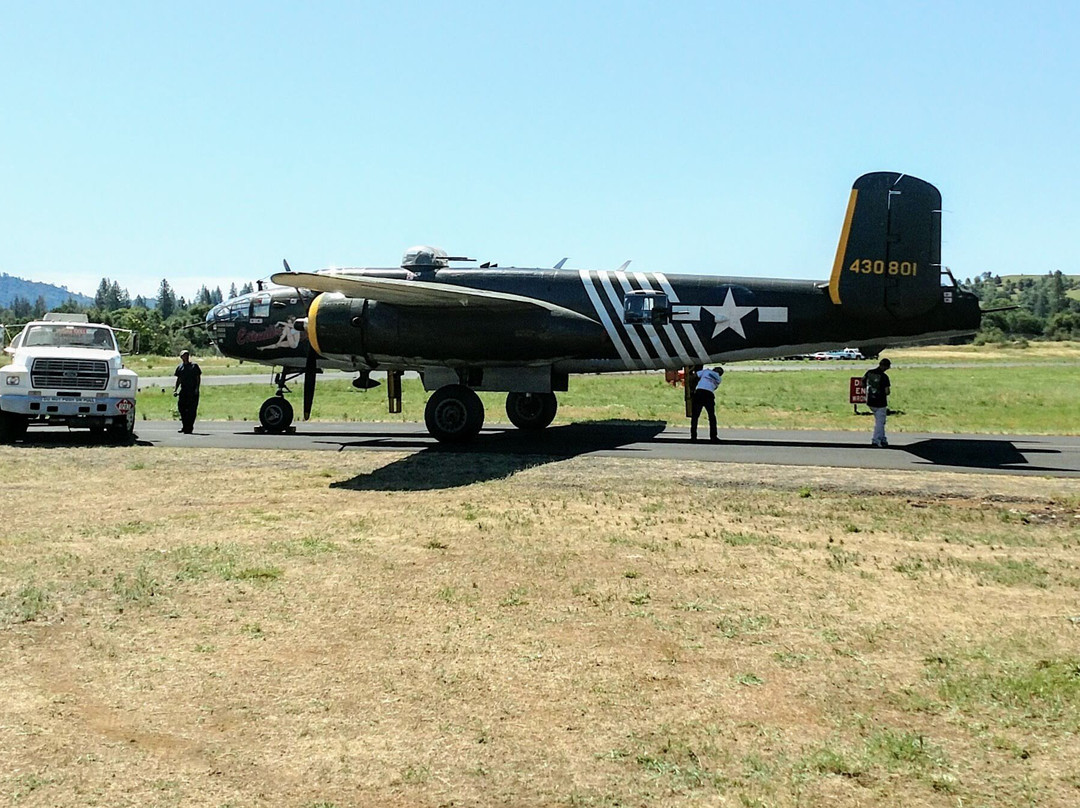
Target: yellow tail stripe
312,331
841,250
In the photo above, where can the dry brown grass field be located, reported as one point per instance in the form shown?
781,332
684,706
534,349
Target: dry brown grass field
212,628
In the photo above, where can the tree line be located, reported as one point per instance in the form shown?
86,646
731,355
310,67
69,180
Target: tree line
1034,307
164,324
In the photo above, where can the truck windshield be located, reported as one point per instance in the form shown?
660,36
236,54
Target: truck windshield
68,336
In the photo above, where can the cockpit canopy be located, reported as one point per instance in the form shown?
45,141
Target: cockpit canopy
255,307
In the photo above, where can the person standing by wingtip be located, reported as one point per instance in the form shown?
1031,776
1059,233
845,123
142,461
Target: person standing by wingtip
708,379
877,385
188,380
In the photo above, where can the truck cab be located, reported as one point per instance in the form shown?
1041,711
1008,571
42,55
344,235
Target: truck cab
65,370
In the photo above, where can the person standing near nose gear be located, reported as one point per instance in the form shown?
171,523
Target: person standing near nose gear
188,378
708,380
876,383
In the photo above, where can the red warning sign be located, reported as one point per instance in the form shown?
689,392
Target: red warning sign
125,405
857,391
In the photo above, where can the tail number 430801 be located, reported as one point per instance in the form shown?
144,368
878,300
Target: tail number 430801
868,267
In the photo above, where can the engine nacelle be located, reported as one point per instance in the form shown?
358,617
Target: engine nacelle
335,324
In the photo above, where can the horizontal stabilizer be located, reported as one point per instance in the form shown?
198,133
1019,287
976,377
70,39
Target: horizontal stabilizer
421,293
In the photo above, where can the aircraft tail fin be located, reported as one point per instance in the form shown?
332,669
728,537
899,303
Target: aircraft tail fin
888,261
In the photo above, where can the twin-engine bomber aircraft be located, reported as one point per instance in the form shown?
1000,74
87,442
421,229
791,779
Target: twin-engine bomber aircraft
524,331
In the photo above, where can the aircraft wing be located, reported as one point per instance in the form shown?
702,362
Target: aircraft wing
419,293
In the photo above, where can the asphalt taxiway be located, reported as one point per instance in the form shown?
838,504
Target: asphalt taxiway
1041,455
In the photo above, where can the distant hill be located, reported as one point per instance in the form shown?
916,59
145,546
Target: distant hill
12,287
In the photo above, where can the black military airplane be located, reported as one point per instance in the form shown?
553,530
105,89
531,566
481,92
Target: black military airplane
524,331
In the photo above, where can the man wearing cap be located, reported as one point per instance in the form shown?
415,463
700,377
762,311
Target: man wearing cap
188,377
704,397
876,383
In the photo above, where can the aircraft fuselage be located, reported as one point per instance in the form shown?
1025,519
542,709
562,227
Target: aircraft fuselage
525,330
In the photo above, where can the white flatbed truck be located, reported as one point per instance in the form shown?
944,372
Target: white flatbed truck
68,371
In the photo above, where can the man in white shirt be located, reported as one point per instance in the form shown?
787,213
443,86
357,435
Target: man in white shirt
708,379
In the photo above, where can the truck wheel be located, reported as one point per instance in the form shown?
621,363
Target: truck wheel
123,430
454,414
276,414
12,426
531,410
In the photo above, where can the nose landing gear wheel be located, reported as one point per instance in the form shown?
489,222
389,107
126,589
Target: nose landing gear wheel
276,414
531,410
454,414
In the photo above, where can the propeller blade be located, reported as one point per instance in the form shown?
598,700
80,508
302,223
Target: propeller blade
287,267
310,369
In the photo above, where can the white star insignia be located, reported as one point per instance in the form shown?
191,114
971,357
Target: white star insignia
729,315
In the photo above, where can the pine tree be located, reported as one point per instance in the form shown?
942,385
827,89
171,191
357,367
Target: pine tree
101,296
21,308
166,300
1059,301
232,290
112,297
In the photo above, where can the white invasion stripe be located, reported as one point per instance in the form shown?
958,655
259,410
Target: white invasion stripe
691,333
695,340
669,329
650,331
601,312
623,280
676,340
772,314
616,302
669,290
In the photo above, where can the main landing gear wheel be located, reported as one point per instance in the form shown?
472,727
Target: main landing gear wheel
531,410
454,414
276,414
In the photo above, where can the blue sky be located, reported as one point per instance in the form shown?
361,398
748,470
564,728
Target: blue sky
205,141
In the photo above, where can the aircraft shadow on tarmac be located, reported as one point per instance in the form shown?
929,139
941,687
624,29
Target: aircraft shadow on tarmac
493,456
976,453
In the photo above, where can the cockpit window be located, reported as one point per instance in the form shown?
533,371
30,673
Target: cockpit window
68,336
260,306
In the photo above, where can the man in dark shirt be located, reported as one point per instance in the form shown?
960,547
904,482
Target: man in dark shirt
876,383
188,377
